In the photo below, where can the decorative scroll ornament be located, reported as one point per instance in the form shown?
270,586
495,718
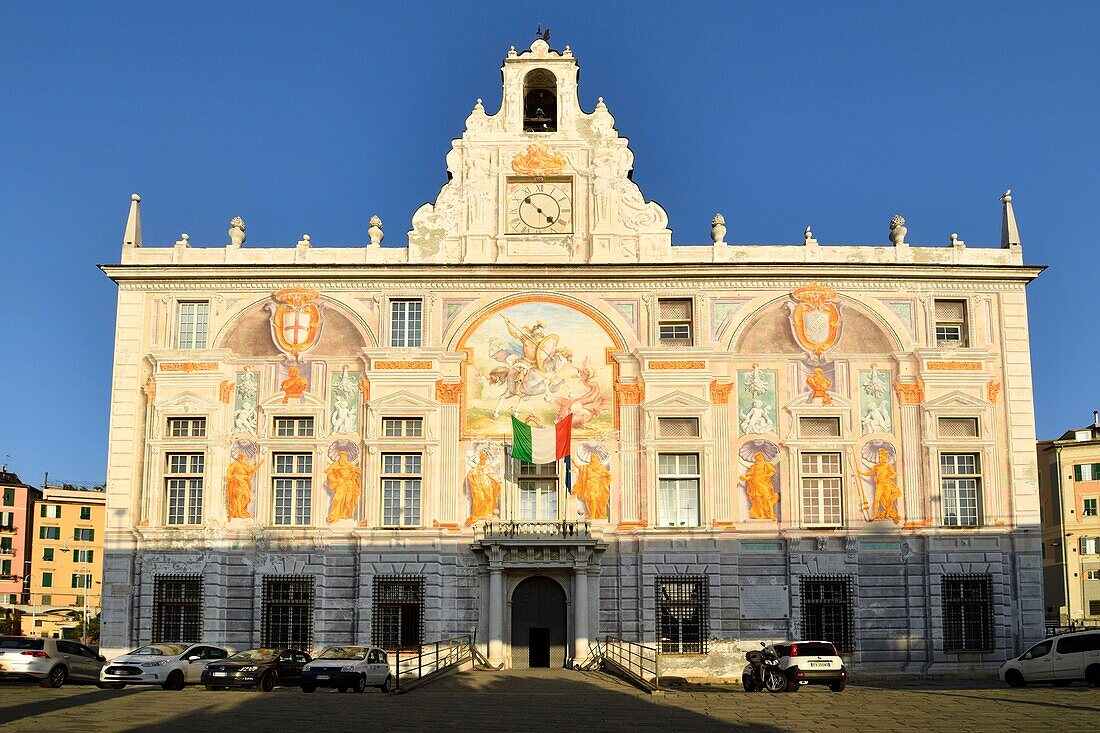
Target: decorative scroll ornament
448,393
295,320
720,393
537,160
909,393
225,390
815,319
992,389
150,389
630,394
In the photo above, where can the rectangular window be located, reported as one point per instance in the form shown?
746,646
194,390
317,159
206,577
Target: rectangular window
82,580
958,427
177,609
294,427
187,427
45,600
183,487
5,568
1094,608
406,322
192,324
967,613
1090,546
287,613
1086,472
678,427
7,521
401,482
85,512
960,487
398,603
827,609
47,580
819,427
1088,507
293,488
678,480
674,326
538,490
81,534
683,614
9,496
50,511
49,533
1092,575
47,554
403,427
951,323
82,556
5,546
822,490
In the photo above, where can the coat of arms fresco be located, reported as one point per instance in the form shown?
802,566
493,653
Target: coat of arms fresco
542,362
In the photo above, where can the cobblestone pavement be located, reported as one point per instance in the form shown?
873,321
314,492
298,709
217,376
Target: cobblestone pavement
559,700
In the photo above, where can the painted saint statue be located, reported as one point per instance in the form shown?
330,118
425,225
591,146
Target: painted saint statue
887,492
345,480
819,386
594,487
484,489
238,486
294,386
760,487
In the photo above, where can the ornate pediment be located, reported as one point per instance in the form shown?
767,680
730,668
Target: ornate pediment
676,401
956,398
187,403
402,398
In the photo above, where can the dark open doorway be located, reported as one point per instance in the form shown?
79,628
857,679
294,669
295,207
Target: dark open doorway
538,623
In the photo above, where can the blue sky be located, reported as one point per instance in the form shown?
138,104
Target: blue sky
310,117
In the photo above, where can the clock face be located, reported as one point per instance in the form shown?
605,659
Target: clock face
540,205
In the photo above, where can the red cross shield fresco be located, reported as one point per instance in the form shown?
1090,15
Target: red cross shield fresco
295,320
815,319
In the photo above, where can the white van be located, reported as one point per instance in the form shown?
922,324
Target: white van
1059,660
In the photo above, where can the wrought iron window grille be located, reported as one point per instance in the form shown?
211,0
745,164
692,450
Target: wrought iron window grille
397,614
177,609
827,610
683,614
287,612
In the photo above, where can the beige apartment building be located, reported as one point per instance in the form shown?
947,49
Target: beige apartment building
66,560
1069,486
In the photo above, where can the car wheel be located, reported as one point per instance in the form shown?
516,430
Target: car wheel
175,681
55,678
360,684
267,682
793,686
837,686
1015,679
1092,675
387,686
309,688
1062,683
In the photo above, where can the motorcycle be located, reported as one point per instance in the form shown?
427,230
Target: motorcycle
762,671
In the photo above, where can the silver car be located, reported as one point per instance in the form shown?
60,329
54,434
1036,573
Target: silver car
50,661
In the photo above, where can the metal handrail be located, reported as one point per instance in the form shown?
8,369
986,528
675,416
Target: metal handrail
562,528
430,659
638,662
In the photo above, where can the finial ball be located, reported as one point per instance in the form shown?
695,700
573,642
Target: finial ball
135,197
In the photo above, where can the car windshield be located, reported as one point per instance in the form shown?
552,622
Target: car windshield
14,642
255,655
814,649
344,652
159,650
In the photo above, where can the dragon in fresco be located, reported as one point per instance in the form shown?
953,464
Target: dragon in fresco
588,406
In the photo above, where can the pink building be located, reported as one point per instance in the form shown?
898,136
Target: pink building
16,502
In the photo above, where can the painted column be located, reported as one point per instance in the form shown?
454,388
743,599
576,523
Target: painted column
631,491
496,613
909,398
723,465
580,614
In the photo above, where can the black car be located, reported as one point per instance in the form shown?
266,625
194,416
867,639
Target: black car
260,668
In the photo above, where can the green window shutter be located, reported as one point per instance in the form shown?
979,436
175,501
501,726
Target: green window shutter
85,512
90,553
1077,473
41,510
47,580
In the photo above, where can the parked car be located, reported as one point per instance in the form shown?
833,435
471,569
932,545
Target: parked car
348,668
1059,660
811,662
260,668
169,665
50,661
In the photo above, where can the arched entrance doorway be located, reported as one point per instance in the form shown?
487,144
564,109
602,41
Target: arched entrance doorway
538,624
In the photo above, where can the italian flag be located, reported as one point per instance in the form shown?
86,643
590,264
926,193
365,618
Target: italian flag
541,445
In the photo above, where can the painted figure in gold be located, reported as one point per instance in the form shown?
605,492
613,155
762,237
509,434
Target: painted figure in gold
759,484
294,386
345,479
594,487
484,489
887,492
819,385
238,486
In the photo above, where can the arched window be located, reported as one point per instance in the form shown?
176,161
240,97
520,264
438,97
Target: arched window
540,102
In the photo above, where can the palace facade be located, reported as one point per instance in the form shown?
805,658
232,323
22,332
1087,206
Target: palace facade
311,445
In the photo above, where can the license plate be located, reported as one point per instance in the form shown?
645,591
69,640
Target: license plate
322,676
820,664
220,674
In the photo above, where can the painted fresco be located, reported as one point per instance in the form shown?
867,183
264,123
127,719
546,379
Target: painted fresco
875,414
759,479
244,408
756,411
344,403
881,491
543,362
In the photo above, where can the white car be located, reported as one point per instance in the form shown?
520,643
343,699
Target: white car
348,668
169,665
811,662
1059,660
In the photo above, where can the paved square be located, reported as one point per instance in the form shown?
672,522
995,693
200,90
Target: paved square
556,700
